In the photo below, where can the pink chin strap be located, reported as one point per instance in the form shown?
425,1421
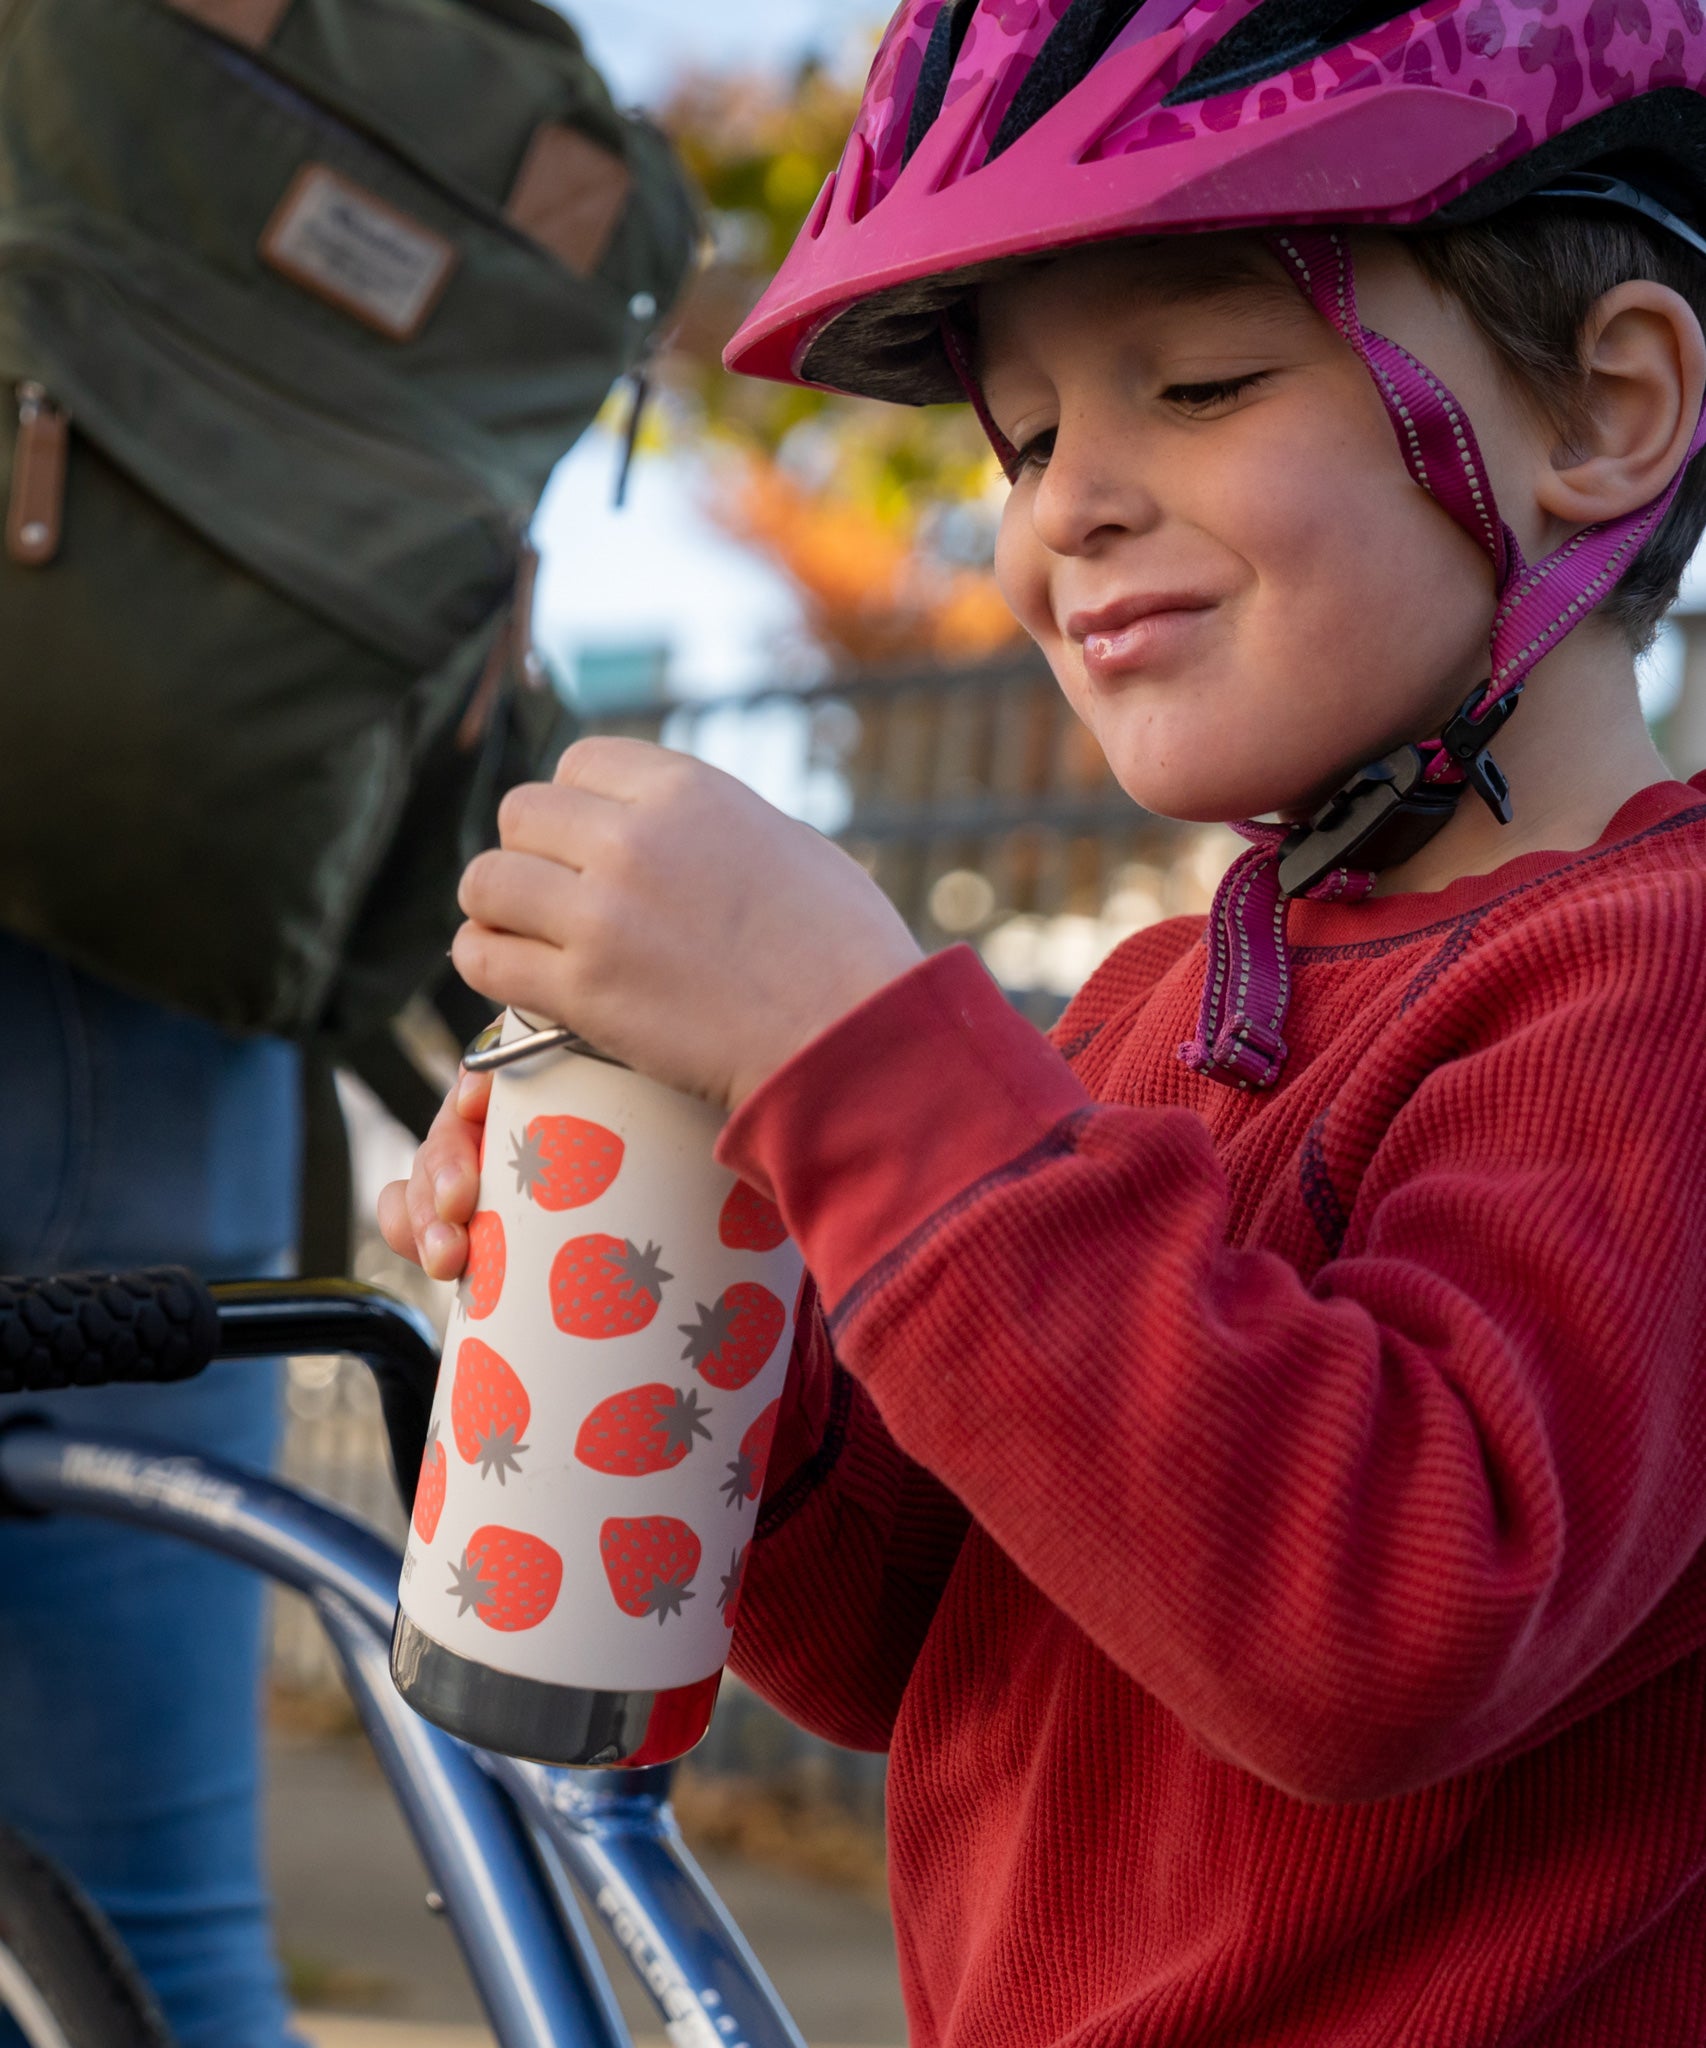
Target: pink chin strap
1393,806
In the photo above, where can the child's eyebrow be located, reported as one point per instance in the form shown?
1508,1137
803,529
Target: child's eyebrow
1207,281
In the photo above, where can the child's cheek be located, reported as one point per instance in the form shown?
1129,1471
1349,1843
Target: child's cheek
1021,568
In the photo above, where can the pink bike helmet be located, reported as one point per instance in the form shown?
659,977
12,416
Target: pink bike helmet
998,128
994,129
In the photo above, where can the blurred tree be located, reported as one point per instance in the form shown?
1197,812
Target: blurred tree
882,515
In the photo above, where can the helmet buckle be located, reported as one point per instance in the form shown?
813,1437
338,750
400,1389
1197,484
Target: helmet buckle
1383,814
1466,740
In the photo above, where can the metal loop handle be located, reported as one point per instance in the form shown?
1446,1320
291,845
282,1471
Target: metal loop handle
485,1055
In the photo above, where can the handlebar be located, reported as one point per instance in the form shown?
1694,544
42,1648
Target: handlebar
163,1323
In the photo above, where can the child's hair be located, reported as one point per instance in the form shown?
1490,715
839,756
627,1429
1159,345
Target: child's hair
1527,278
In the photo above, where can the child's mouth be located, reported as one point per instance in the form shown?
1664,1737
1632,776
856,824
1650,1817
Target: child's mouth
1136,632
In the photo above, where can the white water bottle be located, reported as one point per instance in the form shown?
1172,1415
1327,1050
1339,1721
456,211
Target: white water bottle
611,1378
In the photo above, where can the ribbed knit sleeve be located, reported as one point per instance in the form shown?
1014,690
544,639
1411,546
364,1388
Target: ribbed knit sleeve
854,1545
1359,1531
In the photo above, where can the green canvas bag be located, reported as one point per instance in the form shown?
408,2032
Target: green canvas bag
300,302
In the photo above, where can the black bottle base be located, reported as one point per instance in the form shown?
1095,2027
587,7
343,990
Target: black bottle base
547,1724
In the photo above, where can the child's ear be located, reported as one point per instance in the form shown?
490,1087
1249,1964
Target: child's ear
1645,358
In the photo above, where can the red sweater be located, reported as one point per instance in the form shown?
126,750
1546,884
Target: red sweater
1266,1529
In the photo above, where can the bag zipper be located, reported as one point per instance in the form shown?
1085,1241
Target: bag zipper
35,515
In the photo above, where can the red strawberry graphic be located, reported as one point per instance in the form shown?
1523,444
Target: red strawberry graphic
509,1578
645,1429
483,1277
650,1564
749,1223
489,1409
729,1598
606,1286
429,1488
564,1162
746,1472
731,1343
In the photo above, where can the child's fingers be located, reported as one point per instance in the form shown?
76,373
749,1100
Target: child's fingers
439,1249
422,1218
471,1095
528,972
441,1242
394,1224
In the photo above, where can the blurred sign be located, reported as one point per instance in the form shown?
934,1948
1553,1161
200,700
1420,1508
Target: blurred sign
620,677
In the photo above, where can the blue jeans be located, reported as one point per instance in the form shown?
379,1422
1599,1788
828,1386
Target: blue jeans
130,1665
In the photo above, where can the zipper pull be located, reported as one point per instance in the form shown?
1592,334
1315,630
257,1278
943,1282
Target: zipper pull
641,392
35,518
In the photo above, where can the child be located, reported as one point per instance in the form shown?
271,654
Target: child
1249,1470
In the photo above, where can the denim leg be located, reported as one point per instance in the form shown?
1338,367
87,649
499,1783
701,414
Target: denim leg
130,1664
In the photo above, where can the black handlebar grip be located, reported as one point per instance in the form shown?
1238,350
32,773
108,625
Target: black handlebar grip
90,1329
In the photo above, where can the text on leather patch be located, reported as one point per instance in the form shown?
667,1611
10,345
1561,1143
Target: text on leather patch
357,252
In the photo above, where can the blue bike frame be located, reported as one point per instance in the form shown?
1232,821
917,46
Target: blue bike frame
510,1845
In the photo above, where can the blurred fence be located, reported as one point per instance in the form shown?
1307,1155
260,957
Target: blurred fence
988,814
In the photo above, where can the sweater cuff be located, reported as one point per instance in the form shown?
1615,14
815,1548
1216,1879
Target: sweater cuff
927,1088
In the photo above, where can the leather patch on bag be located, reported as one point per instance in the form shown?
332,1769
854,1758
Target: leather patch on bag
250,22
358,252
35,512
568,195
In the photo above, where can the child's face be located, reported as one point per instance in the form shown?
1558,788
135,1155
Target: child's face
1202,448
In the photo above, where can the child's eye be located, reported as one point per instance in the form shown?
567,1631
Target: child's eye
1206,397
1035,452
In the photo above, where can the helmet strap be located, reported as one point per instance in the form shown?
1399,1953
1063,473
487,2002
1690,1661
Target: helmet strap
1389,809
956,347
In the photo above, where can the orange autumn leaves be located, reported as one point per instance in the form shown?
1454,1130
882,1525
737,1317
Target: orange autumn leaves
854,525
872,594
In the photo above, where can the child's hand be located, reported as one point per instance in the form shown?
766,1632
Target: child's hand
674,919
425,1217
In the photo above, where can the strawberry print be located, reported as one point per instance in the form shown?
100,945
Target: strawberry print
509,1579
732,1341
650,1564
750,1223
605,1286
729,1598
746,1471
644,1429
564,1162
489,1409
483,1277
429,1488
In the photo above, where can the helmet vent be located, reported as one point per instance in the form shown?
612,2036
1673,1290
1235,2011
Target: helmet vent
1275,36
1076,42
941,53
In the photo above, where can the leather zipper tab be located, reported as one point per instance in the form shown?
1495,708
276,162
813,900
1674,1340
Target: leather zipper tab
35,517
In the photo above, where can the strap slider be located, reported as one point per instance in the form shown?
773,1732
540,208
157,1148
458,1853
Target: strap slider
1245,1052
1467,738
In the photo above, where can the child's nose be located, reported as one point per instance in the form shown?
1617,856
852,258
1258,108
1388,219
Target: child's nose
1091,490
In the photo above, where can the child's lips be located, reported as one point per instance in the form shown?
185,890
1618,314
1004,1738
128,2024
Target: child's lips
1136,633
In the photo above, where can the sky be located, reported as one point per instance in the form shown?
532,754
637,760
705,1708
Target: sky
639,44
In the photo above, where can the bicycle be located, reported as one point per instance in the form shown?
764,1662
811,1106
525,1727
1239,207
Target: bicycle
513,1848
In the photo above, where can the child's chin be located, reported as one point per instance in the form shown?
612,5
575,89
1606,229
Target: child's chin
1200,800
